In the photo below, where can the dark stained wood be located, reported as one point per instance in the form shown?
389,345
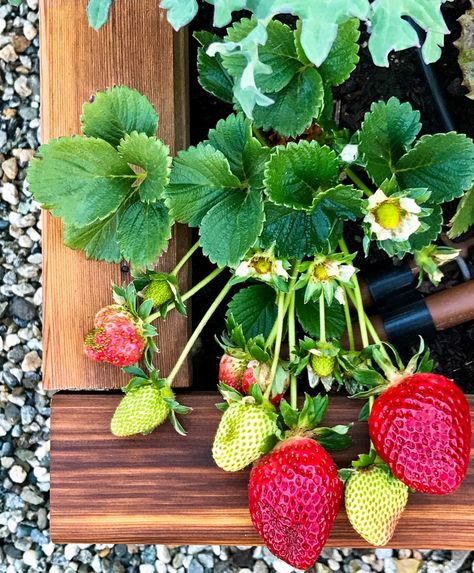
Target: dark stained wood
136,48
165,488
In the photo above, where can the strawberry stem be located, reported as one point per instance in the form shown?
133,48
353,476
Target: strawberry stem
279,336
322,318
292,346
347,314
259,137
205,319
185,259
358,301
358,181
291,285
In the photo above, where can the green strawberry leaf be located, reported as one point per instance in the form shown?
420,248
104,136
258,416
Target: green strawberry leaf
423,238
151,155
308,315
386,134
199,180
98,12
333,439
296,173
180,12
364,413
391,30
295,106
464,217
255,309
98,240
117,111
97,179
442,163
212,75
296,234
246,156
344,54
232,227
143,232
290,416
278,52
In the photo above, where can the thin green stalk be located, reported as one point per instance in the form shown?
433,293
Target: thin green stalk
292,345
205,319
185,259
279,335
347,314
190,293
358,301
322,318
291,285
358,181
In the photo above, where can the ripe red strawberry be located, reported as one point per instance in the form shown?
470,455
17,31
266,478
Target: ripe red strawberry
231,370
259,373
117,337
294,496
421,428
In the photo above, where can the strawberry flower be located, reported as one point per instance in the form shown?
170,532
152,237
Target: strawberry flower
326,274
430,258
263,266
392,218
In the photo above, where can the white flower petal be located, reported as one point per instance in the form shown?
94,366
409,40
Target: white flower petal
279,270
377,198
339,295
409,205
380,232
408,225
243,270
346,272
332,269
349,153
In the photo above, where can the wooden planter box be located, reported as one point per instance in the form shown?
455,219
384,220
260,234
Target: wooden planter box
162,488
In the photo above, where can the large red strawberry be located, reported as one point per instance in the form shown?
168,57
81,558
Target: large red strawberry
294,496
259,373
117,337
421,428
231,370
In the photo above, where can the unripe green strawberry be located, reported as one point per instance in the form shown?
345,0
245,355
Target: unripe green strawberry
159,291
323,365
241,435
374,501
141,410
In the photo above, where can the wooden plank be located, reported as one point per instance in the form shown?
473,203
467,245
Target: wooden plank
165,488
136,48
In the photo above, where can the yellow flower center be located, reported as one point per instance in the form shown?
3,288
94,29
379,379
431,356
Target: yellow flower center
320,272
388,215
262,265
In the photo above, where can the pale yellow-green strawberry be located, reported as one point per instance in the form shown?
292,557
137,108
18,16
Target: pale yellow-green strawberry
141,410
323,365
242,434
159,291
374,501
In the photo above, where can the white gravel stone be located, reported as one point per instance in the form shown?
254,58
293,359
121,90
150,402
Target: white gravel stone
31,362
9,193
282,567
163,553
30,558
17,474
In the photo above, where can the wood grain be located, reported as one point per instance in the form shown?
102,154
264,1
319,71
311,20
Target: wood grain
136,48
164,488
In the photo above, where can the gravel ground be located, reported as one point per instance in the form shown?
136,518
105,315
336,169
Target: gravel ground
24,406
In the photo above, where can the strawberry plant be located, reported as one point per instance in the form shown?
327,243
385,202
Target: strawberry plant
273,194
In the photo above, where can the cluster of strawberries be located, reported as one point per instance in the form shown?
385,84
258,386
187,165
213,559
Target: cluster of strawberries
420,427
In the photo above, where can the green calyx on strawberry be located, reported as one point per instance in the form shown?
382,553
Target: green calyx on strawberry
147,403
295,492
321,360
161,289
374,499
419,424
247,430
121,333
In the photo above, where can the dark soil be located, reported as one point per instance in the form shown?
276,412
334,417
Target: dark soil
452,349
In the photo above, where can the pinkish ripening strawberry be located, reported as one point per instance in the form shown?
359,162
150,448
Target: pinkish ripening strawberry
259,373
